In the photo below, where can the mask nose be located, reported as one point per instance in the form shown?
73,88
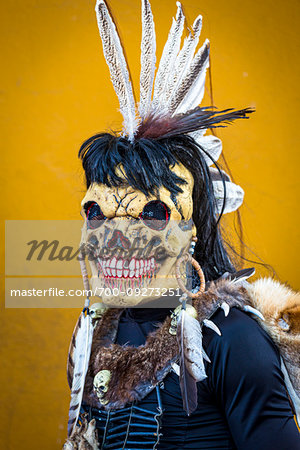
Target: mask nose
118,240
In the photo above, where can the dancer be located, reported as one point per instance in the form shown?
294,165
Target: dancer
180,351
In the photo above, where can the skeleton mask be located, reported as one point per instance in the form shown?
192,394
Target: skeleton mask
134,241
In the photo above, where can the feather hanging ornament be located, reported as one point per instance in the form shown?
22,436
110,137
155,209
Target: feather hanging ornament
81,356
79,352
192,355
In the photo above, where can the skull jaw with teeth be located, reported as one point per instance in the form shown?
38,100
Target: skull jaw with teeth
133,260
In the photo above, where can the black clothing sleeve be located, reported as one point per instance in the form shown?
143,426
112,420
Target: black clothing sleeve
248,385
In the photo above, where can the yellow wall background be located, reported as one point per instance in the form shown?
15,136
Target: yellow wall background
56,92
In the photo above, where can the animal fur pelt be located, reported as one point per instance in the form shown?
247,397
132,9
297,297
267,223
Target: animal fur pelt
84,437
280,307
131,368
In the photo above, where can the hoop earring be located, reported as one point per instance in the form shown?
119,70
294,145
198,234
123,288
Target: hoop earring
187,257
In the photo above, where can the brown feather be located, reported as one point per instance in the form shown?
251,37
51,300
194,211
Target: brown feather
158,127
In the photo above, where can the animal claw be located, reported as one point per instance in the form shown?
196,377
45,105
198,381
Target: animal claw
254,311
176,368
205,356
212,326
226,308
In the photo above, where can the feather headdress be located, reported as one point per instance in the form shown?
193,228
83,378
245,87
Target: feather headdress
169,101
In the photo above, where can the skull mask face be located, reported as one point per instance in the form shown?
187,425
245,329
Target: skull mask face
133,241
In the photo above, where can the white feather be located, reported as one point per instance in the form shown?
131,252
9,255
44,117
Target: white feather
81,357
198,134
212,145
191,90
193,348
114,55
148,59
167,61
234,196
184,59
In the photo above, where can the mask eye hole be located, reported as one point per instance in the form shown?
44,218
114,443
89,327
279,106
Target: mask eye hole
94,215
155,215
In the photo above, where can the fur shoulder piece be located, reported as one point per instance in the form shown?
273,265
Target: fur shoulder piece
280,307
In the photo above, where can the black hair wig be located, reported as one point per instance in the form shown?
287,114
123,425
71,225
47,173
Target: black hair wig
147,166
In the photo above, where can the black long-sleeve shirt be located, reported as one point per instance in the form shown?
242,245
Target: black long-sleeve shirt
242,404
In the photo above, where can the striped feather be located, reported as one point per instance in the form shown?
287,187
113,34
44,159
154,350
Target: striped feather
114,55
167,61
70,362
81,348
148,59
184,59
191,88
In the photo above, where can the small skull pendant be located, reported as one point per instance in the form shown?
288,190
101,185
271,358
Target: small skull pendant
190,310
97,310
101,381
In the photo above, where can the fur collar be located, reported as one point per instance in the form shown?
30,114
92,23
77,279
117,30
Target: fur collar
280,306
